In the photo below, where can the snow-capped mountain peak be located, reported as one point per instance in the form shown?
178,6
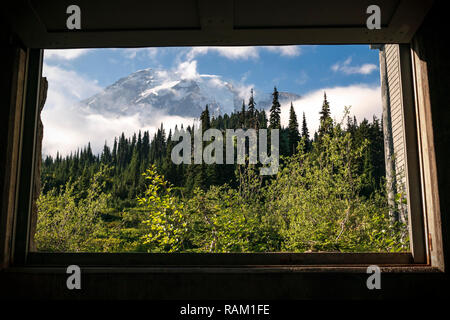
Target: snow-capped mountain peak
147,90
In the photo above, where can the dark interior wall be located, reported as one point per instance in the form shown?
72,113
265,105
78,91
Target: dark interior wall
257,284
8,77
5,87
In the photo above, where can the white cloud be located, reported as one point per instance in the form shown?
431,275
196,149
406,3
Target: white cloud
244,53
346,68
187,70
68,126
365,102
233,53
131,53
64,54
289,51
243,91
217,82
66,85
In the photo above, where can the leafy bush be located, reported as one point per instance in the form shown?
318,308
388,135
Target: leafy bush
70,223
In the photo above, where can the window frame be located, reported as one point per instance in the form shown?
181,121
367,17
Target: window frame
418,257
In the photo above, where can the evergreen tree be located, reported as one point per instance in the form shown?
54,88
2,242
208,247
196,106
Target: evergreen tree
325,117
294,135
242,116
305,133
205,120
262,119
275,111
252,112
114,152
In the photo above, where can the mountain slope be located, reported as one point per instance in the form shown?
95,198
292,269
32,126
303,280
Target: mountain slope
146,91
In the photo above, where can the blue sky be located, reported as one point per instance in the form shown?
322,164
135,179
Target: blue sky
300,69
349,74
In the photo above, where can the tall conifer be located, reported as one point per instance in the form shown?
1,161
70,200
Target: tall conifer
325,117
275,111
294,135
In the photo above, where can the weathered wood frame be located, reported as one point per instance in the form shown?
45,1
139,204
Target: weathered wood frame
413,179
427,159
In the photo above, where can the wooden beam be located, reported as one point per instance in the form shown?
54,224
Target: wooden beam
219,259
